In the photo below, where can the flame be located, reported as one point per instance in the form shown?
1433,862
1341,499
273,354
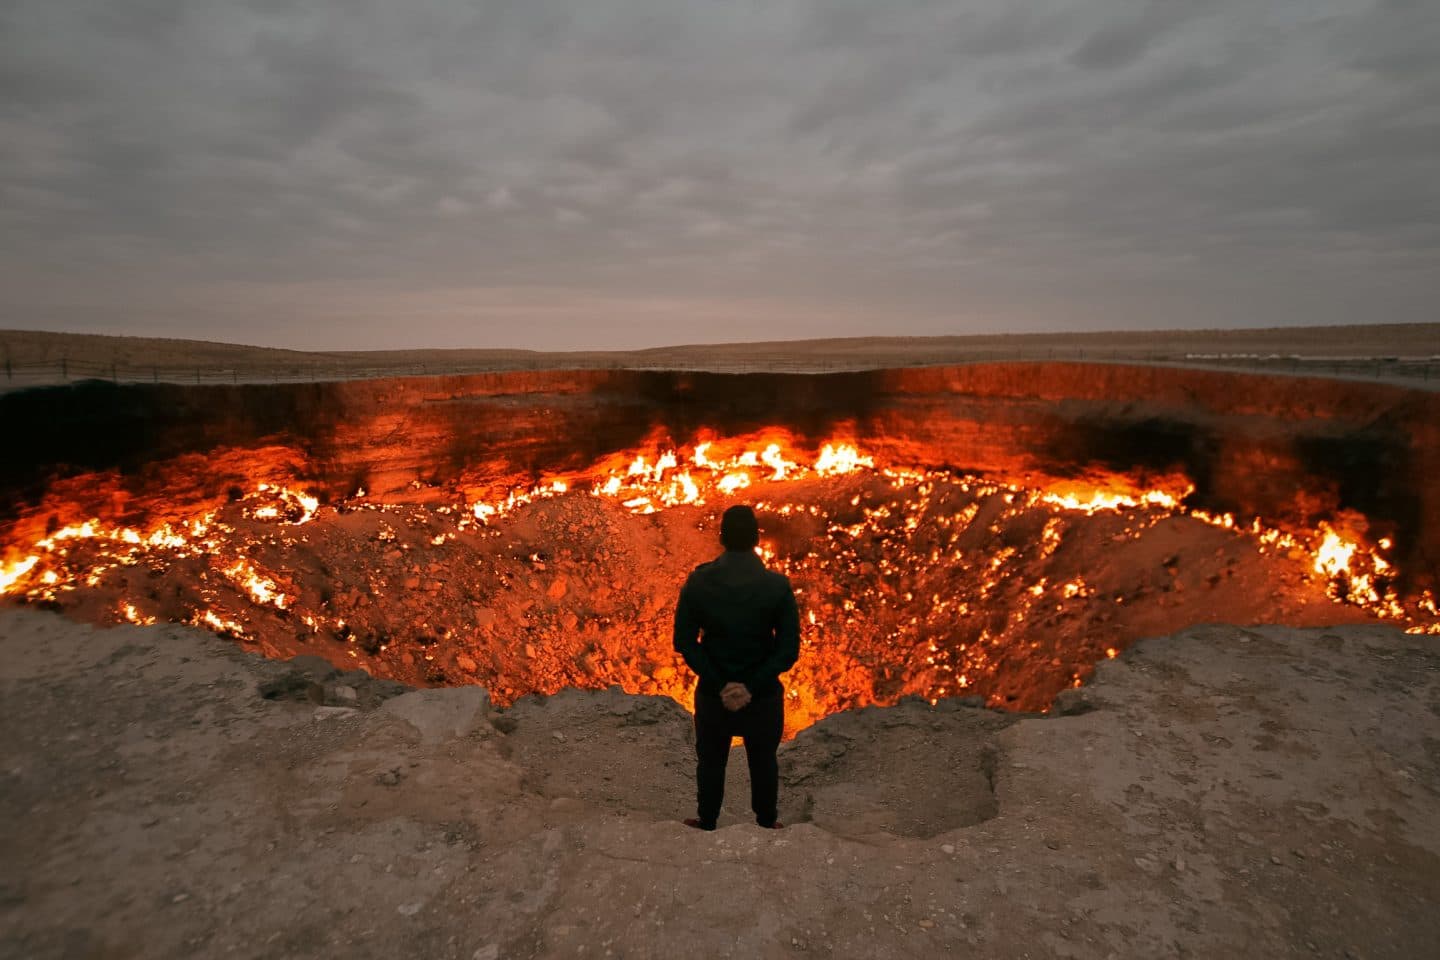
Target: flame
771,458
12,573
1333,556
645,485
841,458
1094,501
212,621
131,615
733,481
261,588
292,505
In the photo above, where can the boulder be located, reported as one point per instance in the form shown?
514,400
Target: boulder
1072,701
301,678
443,714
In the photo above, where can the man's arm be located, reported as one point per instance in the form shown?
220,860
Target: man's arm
687,638
787,643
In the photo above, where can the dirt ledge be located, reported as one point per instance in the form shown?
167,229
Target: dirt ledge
1260,792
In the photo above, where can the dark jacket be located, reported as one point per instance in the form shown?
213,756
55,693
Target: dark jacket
737,621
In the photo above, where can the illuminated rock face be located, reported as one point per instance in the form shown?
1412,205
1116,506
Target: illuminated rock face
991,530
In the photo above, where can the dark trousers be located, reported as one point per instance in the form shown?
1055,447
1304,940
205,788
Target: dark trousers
761,723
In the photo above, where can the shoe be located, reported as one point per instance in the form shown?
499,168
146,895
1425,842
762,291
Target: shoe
696,824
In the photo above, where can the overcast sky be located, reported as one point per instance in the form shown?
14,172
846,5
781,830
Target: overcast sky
620,173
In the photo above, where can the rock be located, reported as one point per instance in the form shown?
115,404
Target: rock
484,616
466,663
488,952
390,778
1072,701
443,714
334,713
947,848
341,695
556,589
558,736
316,668
408,909
296,681
663,673
412,583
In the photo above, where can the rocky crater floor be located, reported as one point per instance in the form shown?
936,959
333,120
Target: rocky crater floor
1221,792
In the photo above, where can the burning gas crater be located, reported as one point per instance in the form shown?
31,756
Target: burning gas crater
911,582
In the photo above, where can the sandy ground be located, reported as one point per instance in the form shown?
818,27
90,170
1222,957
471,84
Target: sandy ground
1404,352
1223,792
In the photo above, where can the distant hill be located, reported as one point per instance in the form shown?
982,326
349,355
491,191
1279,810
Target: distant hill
1403,350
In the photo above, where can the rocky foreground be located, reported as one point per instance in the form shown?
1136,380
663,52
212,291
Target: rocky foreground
1221,792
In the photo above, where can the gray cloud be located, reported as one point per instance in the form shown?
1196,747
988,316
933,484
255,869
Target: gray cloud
1125,37
632,172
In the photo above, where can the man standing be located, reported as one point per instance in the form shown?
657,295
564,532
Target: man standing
738,628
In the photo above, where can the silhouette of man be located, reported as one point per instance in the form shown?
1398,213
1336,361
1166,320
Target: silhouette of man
738,628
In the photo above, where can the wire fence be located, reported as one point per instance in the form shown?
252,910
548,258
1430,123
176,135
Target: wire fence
15,375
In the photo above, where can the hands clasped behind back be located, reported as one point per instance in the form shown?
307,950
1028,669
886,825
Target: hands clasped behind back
735,696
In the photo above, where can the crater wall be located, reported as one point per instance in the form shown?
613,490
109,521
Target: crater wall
1293,450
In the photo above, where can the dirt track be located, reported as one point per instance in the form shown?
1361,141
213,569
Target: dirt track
1225,792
